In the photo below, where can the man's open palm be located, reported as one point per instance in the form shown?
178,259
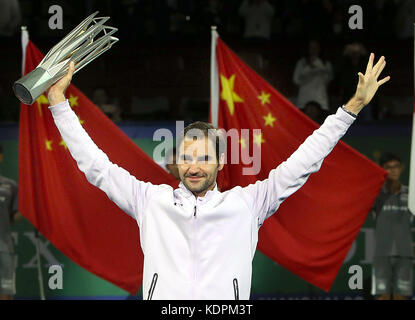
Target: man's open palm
368,83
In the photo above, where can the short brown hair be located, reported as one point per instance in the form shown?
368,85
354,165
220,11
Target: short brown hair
199,129
389,156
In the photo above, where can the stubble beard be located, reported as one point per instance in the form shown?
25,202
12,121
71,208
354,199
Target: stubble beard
209,181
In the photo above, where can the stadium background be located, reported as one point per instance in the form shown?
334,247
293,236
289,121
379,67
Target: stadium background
152,63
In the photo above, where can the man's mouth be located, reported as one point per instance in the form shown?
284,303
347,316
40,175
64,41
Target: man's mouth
194,178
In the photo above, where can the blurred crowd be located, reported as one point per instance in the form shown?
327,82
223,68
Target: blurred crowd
262,19
304,48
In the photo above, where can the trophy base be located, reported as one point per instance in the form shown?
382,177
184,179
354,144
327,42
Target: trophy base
28,88
22,93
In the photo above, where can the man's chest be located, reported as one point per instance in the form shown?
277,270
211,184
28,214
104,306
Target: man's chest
221,212
396,205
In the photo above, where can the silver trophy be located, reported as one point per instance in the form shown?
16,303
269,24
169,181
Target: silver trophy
78,46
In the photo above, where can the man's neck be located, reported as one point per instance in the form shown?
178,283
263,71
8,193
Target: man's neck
203,193
394,186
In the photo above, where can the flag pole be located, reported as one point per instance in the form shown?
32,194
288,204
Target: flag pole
39,267
24,42
214,80
411,194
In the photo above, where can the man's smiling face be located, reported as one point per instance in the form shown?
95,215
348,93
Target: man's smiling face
198,165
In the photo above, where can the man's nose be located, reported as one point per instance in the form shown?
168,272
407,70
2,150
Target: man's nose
194,167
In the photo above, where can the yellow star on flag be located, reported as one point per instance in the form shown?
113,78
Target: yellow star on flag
228,94
269,119
80,120
73,100
62,143
264,97
258,139
242,142
48,144
41,100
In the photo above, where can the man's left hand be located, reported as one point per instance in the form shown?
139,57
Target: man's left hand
368,84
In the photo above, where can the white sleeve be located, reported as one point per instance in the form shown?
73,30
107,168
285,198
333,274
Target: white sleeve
120,186
328,76
264,197
302,73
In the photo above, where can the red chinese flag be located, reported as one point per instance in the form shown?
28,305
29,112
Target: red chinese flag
313,230
55,196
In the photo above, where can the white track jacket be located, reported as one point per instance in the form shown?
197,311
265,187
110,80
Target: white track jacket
198,248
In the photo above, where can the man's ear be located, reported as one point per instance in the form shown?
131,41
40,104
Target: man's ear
221,161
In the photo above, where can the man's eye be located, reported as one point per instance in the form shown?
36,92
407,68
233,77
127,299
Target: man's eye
204,159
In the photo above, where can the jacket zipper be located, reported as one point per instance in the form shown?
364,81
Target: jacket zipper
152,286
236,288
195,258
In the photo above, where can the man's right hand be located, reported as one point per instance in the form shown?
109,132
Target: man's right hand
56,93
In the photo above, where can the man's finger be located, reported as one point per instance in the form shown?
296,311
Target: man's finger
386,79
68,77
378,65
71,69
361,77
370,63
380,69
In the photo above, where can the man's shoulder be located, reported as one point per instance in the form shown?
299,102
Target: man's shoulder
159,191
165,187
238,191
7,181
159,187
302,61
